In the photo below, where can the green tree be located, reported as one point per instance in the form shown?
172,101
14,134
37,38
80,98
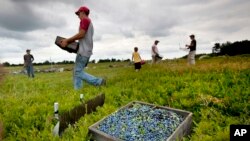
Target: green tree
6,64
228,48
216,48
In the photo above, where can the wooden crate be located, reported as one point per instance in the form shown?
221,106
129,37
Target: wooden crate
71,48
182,130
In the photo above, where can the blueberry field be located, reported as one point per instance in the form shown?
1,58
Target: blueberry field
216,90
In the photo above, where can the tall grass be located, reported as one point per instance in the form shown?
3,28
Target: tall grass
216,90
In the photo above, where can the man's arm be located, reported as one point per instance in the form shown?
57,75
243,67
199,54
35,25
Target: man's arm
191,45
32,58
153,48
24,60
133,57
188,46
77,36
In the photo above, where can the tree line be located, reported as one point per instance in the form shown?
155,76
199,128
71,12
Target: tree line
228,48
7,64
232,49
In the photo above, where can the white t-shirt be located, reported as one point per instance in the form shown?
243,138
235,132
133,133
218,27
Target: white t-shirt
86,43
154,47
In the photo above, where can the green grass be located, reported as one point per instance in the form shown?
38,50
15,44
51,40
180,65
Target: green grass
216,90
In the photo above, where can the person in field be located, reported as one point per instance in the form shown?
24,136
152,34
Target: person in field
155,53
28,59
85,37
192,50
137,59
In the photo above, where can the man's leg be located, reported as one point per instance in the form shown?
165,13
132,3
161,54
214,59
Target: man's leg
32,71
80,75
192,58
153,59
189,58
77,70
28,70
158,60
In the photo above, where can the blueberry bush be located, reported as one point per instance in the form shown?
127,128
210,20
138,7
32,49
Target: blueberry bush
216,90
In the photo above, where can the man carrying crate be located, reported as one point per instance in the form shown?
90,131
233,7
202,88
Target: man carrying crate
85,37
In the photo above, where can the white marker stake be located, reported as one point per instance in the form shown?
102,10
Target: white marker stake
56,110
56,129
81,97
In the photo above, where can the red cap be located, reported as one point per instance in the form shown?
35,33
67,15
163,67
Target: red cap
83,9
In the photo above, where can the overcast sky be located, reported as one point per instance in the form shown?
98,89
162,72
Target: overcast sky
120,25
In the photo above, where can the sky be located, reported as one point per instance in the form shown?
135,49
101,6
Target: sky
119,26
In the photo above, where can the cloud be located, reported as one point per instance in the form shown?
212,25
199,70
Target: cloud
129,17
23,17
119,26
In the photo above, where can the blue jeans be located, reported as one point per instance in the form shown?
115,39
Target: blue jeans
30,71
80,74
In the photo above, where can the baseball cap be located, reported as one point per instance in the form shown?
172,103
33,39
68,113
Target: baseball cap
192,35
156,41
82,9
27,50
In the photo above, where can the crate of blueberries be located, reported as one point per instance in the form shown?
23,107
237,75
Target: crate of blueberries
143,121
